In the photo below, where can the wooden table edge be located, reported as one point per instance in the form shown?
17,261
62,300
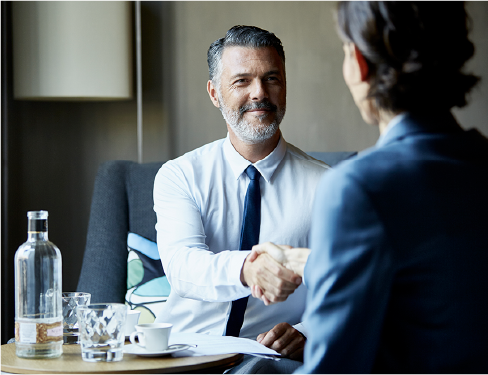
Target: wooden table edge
210,361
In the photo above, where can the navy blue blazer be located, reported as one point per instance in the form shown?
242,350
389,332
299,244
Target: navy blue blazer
398,273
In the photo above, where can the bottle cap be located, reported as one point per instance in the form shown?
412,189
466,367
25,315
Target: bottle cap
37,214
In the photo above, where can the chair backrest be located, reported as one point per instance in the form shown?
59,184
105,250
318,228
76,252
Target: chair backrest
122,202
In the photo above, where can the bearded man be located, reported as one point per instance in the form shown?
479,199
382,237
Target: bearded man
214,203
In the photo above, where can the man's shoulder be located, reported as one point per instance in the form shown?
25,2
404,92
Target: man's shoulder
193,162
202,155
295,154
212,149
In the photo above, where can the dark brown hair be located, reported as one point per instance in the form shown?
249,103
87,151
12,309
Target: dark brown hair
415,52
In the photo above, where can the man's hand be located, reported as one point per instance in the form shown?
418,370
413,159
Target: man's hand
292,258
275,281
285,339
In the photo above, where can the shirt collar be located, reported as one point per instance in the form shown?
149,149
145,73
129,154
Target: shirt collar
414,123
394,121
265,166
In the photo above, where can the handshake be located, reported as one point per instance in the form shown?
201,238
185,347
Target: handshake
274,271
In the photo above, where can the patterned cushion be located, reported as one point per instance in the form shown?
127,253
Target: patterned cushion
147,285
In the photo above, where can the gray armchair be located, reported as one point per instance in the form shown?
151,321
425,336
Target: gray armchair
122,202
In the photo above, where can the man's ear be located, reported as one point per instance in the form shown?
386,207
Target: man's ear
363,65
212,92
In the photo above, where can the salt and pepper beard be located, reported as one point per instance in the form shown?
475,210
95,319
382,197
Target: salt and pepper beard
243,129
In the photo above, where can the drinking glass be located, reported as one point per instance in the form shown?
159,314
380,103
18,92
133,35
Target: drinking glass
71,300
102,331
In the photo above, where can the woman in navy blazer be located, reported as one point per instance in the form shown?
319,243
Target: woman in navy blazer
397,273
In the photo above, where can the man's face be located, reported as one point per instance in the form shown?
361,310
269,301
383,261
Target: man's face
252,92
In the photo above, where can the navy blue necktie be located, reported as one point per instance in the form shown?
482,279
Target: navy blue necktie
249,237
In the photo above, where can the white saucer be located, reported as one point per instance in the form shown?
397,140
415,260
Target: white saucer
137,350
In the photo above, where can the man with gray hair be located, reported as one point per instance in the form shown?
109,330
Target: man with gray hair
214,203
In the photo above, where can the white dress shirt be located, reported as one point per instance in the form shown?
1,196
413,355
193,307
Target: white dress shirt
199,202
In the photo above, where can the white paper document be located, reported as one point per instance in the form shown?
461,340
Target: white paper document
211,345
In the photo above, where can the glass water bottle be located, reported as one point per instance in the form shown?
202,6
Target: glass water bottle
38,304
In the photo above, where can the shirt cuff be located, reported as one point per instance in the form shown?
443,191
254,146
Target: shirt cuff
235,271
300,327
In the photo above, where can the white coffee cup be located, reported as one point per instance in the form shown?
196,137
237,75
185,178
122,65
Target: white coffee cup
131,321
152,336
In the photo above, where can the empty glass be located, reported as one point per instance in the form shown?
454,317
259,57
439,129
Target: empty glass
71,300
102,331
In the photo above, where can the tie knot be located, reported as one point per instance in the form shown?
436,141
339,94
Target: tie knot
253,173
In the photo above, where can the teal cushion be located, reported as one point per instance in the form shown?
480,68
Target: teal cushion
147,285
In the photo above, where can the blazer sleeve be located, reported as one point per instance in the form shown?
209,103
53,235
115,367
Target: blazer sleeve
348,275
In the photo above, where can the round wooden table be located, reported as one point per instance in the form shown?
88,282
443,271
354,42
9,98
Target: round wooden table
71,363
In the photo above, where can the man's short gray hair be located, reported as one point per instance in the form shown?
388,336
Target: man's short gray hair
240,36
